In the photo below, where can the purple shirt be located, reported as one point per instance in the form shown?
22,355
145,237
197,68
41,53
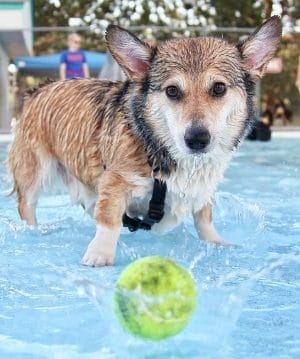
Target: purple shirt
74,61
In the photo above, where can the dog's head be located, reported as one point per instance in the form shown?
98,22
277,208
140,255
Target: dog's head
197,92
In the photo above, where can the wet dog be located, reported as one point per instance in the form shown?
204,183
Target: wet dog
176,122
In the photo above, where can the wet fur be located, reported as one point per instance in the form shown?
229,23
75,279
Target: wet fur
106,140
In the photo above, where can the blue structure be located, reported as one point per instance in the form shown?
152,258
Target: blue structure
48,65
15,17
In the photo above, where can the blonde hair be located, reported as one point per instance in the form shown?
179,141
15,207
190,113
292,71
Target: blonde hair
73,35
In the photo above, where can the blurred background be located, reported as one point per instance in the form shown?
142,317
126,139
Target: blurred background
33,34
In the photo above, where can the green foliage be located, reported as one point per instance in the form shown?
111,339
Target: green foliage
48,15
237,13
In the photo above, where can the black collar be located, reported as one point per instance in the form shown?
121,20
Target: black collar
155,212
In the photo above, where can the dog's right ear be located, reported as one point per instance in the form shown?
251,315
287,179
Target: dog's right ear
132,54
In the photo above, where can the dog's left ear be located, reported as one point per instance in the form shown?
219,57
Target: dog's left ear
132,54
261,46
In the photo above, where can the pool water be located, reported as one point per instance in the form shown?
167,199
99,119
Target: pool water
249,293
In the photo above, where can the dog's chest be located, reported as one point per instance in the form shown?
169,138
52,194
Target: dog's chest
188,190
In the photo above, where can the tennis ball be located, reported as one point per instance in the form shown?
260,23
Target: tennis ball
154,297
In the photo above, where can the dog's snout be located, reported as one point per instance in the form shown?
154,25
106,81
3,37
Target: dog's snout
197,138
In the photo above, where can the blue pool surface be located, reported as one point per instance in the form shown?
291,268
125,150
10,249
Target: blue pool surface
249,293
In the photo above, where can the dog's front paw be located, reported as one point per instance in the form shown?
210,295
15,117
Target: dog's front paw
219,241
102,249
213,237
208,233
96,256
92,259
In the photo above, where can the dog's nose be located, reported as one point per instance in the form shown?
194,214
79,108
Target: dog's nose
197,138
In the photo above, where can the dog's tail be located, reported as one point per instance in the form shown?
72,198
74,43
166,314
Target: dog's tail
10,171
9,192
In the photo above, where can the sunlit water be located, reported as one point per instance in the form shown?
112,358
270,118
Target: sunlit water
249,297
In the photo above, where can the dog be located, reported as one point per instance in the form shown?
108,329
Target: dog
170,129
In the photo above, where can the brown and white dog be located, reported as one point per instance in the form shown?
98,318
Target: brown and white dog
179,117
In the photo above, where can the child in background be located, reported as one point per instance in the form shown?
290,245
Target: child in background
72,61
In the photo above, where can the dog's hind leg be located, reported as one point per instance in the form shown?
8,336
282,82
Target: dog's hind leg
204,225
27,207
109,211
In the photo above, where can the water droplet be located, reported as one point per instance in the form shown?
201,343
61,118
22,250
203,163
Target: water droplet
181,195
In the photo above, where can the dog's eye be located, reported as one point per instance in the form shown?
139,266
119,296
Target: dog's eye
218,89
173,92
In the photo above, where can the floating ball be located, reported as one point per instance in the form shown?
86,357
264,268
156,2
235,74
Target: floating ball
154,297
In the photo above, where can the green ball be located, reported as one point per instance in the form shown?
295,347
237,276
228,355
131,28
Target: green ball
154,297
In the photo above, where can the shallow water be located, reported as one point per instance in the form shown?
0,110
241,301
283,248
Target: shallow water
249,293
